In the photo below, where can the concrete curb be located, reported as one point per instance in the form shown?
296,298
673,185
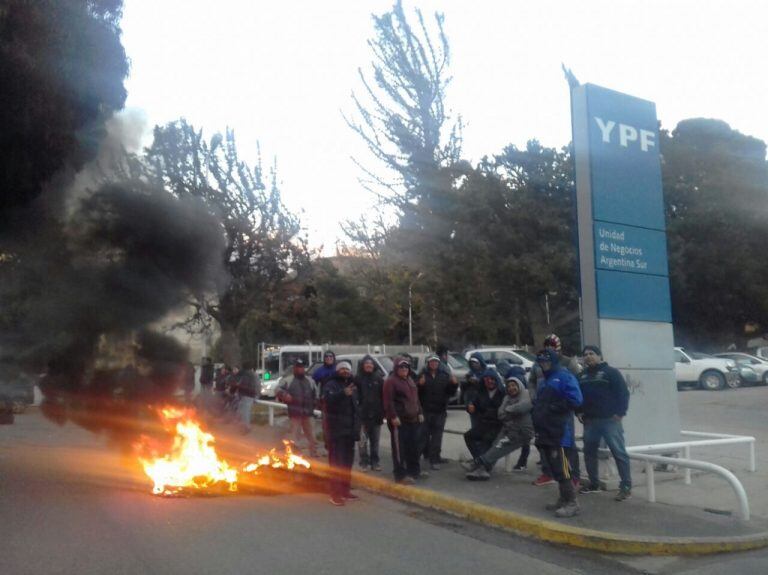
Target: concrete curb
553,532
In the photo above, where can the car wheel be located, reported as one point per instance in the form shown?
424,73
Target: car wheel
712,380
735,383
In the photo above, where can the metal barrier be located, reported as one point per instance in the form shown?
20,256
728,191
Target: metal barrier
272,405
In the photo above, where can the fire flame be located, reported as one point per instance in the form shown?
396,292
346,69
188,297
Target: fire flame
194,465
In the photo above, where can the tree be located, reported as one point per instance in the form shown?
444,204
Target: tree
716,196
265,254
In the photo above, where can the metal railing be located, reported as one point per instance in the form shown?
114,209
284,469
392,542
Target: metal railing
272,405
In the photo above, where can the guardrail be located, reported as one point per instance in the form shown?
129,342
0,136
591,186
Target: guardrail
272,405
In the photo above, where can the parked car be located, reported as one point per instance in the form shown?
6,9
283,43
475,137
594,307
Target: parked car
704,371
493,355
749,363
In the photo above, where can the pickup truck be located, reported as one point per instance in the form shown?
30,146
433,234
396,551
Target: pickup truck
704,371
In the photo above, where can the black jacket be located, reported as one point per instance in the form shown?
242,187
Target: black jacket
370,387
487,410
342,416
605,392
436,391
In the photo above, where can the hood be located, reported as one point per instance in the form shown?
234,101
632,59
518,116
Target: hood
518,382
551,356
479,357
329,352
362,361
517,372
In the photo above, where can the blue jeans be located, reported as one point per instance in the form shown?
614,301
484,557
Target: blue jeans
613,434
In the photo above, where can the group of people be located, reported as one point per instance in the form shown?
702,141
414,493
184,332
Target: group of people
229,391
508,410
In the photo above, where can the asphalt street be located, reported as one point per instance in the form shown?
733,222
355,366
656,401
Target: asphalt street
71,504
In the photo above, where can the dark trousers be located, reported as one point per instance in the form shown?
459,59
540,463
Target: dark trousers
405,450
479,439
613,434
432,436
341,455
369,443
558,462
525,451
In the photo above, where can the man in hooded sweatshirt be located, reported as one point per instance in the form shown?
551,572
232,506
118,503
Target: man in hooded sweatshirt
301,395
517,428
557,396
436,387
370,386
485,408
325,371
404,416
341,413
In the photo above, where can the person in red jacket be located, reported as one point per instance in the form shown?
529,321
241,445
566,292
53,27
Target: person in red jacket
404,416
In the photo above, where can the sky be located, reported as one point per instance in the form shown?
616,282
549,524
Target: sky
281,75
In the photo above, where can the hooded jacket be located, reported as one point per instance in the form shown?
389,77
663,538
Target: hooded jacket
605,392
401,399
341,411
370,386
473,381
325,372
303,392
557,396
515,413
487,407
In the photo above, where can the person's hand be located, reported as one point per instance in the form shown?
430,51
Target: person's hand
396,422
422,380
471,408
421,418
349,390
616,418
580,417
287,398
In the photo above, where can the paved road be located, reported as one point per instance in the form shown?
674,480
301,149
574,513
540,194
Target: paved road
68,506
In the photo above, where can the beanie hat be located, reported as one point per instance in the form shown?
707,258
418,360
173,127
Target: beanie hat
343,365
593,348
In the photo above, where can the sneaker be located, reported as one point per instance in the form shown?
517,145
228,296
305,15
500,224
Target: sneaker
479,474
544,479
408,480
554,506
376,467
519,467
424,473
591,488
434,466
470,465
337,501
568,510
351,497
365,468
623,495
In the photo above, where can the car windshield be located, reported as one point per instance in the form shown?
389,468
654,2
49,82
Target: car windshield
525,354
699,355
386,362
456,360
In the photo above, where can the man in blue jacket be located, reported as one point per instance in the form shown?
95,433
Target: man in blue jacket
557,396
606,400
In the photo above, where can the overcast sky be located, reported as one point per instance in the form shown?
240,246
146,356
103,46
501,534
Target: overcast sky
282,72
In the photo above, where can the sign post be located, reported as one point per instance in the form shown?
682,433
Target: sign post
625,301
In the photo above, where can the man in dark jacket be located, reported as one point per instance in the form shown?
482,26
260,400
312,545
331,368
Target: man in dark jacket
340,402
485,408
325,371
557,396
516,431
370,386
436,387
206,377
248,389
551,342
300,394
404,416
606,400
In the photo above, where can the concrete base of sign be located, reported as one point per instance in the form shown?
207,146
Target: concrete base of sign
643,351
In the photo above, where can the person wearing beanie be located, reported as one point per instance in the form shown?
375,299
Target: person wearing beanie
370,385
341,414
556,399
436,387
404,418
300,394
551,342
516,432
606,400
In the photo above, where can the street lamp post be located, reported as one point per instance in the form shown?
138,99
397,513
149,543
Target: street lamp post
410,308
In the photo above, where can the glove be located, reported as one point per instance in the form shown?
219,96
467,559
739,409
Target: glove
421,418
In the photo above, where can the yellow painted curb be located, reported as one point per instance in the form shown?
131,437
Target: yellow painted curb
552,532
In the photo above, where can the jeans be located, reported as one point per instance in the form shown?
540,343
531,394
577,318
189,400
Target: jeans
245,409
341,455
503,445
613,434
432,436
369,443
405,450
302,424
479,439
